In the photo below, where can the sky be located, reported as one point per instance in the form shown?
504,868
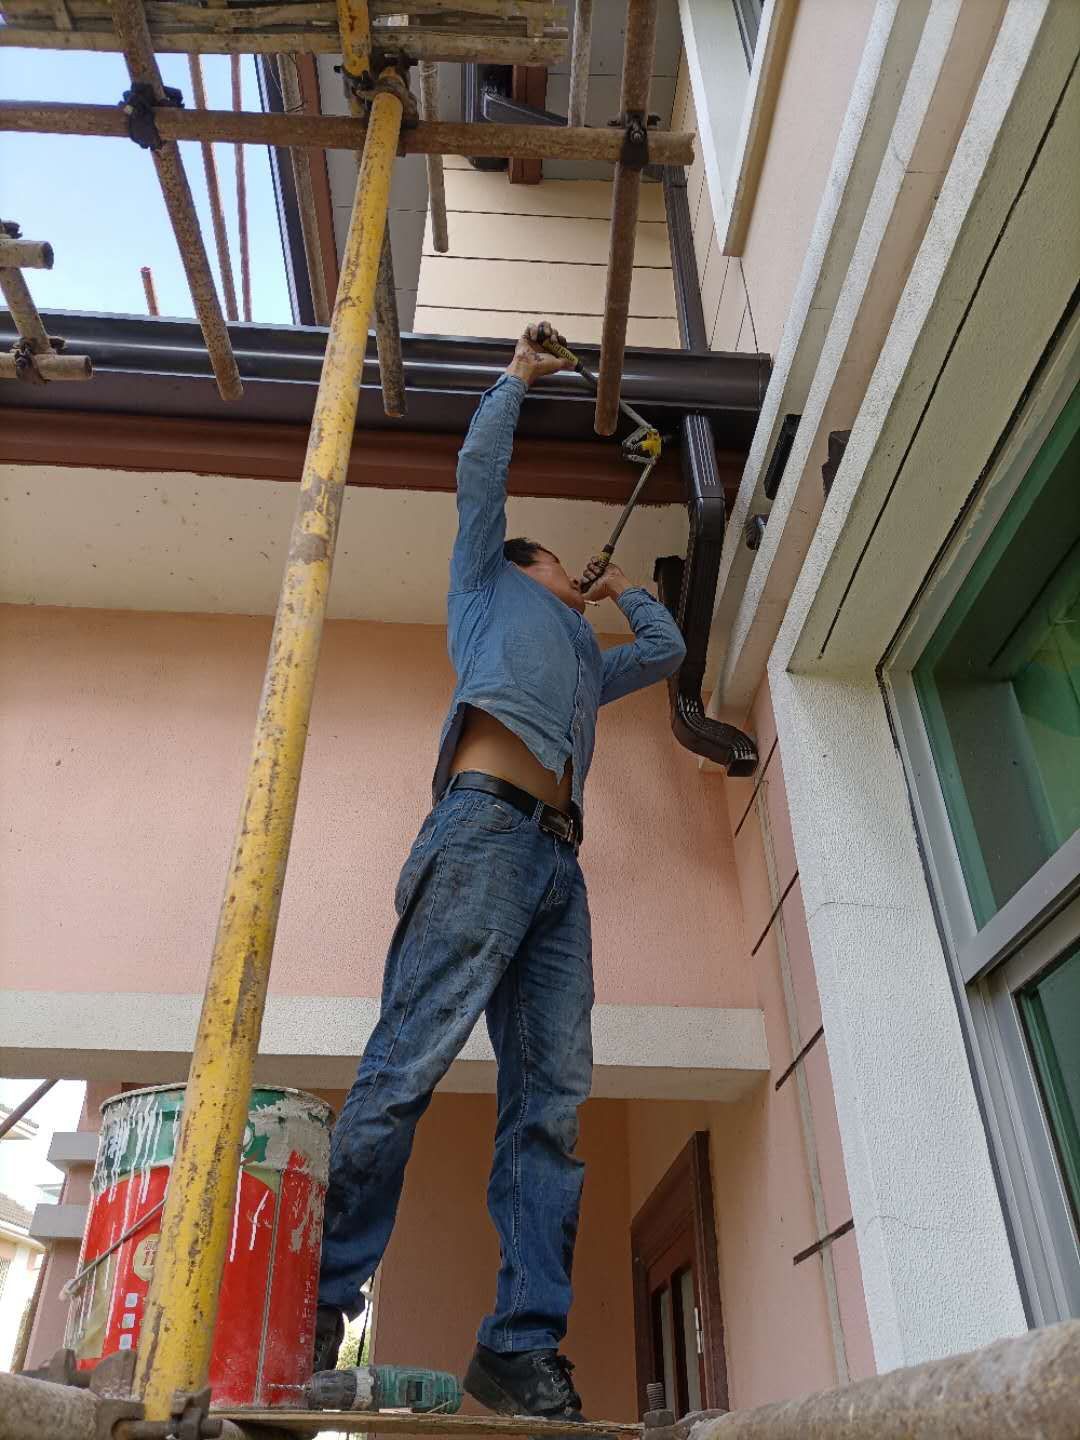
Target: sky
23,1166
96,198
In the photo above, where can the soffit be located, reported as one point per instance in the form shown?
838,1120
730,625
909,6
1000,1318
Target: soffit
113,539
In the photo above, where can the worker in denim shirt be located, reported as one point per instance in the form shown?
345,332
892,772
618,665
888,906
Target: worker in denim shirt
494,921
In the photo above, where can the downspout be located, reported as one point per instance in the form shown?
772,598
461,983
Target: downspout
688,587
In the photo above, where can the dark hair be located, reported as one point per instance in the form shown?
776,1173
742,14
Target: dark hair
523,552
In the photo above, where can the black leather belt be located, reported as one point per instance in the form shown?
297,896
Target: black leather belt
553,822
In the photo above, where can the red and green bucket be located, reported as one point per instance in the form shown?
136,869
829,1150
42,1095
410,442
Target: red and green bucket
266,1315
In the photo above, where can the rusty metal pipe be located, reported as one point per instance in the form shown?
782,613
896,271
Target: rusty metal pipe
293,101
241,193
1014,1389
50,367
24,312
149,291
388,335
436,178
638,55
344,132
34,1409
129,19
181,1307
25,1106
580,57
25,254
213,193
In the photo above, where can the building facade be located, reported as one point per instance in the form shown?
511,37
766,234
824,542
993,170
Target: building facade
835,1118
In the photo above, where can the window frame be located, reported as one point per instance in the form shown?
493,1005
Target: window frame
1040,921
734,110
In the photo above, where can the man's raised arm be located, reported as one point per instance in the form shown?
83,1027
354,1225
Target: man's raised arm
483,465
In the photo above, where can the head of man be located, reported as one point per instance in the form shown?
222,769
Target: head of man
546,569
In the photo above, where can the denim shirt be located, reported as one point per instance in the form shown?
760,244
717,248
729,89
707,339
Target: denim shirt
520,653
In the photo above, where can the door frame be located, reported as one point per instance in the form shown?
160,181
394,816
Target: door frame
681,1202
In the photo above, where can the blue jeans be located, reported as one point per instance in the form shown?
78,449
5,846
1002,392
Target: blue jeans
493,920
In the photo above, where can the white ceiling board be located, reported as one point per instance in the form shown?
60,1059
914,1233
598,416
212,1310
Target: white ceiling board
116,539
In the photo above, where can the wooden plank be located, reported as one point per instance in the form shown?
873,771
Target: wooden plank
517,284
388,1422
578,329
539,237
488,192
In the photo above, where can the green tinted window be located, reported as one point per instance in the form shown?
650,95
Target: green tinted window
1051,1010
999,683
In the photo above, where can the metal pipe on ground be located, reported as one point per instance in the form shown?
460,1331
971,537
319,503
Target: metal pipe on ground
129,19
579,62
293,101
240,174
436,179
1015,1389
12,1118
32,1409
638,55
213,194
25,254
344,132
181,1309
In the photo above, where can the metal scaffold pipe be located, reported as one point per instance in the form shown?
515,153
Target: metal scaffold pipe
436,178
178,1328
129,18
638,54
580,57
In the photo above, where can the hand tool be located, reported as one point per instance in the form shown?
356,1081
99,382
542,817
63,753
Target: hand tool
642,447
384,1387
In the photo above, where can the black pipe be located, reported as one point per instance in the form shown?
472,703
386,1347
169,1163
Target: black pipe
152,365
688,588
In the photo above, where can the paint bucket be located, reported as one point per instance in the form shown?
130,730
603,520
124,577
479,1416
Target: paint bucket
266,1316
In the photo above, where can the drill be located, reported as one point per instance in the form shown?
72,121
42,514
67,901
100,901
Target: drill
384,1387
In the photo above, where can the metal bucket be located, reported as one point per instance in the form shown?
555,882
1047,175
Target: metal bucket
266,1317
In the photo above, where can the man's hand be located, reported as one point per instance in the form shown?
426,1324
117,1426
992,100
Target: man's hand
531,360
609,586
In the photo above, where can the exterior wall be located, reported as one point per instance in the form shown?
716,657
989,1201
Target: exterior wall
746,298
501,272
62,1259
438,1278
125,742
23,1262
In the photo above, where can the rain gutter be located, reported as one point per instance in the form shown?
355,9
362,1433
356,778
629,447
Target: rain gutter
688,587
147,365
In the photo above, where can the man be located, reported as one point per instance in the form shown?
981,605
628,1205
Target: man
493,921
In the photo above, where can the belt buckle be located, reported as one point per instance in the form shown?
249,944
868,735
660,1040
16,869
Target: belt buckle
558,824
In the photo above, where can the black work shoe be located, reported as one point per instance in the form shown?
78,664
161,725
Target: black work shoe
524,1382
329,1333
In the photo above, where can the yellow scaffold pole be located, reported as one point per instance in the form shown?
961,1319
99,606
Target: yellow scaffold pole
178,1328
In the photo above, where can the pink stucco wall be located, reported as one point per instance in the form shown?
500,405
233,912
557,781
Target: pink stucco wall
123,744
826,45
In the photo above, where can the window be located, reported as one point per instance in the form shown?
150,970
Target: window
678,1331
5,1266
748,19
999,683
985,683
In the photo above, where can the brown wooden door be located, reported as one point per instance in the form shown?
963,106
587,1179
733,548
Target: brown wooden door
679,1331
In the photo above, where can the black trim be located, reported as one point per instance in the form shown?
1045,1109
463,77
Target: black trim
774,471
817,1035
151,365
748,19
474,80
505,110
281,172
825,1240
838,440
689,588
